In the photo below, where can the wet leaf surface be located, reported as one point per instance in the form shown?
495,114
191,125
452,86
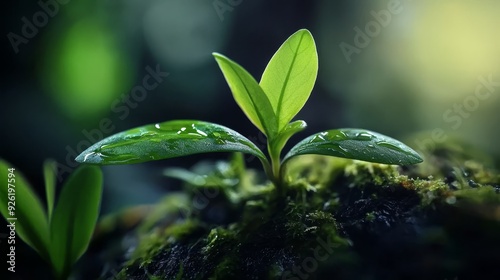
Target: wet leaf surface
167,140
357,144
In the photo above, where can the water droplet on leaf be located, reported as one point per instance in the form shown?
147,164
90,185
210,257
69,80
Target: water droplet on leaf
364,136
321,137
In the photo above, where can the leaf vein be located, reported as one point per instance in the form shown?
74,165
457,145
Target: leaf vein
285,82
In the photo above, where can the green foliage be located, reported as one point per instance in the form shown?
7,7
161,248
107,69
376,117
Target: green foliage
31,223
290,76
357,144
249,95
61,236
167,140
75,217
285,86
49,173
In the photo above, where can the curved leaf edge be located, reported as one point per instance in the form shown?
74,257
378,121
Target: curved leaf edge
412,157
64,255
282,124
36,237
87,156
267,123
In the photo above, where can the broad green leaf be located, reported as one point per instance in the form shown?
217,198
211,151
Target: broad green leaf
357,144
49,173
292,128
249,95
290,76
28,216
74,217
167,140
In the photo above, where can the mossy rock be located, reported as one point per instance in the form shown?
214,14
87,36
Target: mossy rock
341,219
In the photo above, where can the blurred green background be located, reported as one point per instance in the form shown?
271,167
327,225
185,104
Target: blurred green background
74,70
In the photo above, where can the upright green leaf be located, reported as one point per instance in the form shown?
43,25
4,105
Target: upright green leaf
49,173
276,144
75,217
290,76
27,215
167,140
292,128
357,144
249,95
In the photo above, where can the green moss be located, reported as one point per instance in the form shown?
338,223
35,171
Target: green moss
370,216
149,245
226,269
362,173
483,195
427,189
480,173
157,240
154,277
182,230
180,274
362,209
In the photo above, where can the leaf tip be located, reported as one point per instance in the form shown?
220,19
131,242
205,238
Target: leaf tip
80,158
302,30
417,158
217,55
413,157
305,32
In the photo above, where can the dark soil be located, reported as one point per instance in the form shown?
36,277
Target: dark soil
340,220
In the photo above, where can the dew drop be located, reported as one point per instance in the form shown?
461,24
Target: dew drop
337,148
105,147
218,138
389,145
320,137
220,141
364,136
339,135
201,133
94,157
343,149
191,131
181,131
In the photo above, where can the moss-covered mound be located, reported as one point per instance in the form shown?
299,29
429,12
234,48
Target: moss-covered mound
340,219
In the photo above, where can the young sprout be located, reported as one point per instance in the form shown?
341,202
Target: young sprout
284,88
62,234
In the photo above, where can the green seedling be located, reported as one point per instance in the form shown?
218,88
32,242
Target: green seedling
284,88
61,234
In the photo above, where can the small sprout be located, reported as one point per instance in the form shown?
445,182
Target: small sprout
285,86
62,234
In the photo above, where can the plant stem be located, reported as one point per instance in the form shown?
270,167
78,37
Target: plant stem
267,168
276,165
